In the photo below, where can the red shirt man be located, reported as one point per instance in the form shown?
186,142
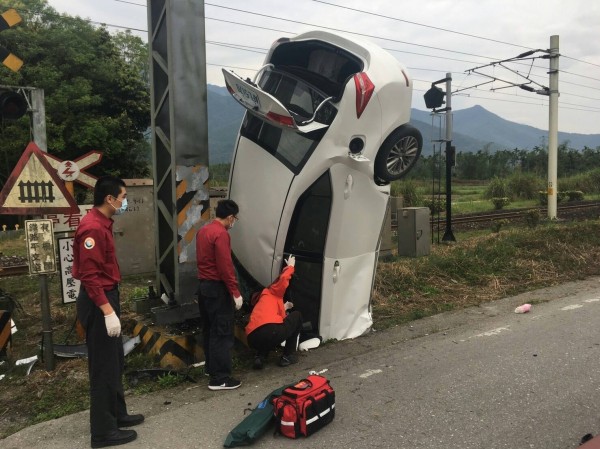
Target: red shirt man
218,293
98,311
94,259
213,243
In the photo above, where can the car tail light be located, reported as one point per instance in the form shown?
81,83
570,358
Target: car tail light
281,119
364,91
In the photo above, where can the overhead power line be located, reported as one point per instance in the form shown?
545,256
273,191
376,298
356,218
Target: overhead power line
362,11
363,34
261,50
581,60
342,30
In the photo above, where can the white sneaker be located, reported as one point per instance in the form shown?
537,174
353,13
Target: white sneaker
311,343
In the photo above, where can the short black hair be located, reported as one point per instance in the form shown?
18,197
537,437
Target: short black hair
107,185
225,208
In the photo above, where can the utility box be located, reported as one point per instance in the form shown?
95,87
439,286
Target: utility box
414,231
389,226
134,230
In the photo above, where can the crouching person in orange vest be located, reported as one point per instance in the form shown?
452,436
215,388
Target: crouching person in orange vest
271,324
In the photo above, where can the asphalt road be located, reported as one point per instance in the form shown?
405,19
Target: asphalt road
482,378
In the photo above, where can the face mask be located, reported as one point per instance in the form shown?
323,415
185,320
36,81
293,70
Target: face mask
121,210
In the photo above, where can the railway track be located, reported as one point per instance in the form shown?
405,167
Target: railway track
466,219
14,270
563,211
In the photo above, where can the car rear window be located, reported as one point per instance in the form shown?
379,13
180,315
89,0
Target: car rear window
301,99
298,96
322,65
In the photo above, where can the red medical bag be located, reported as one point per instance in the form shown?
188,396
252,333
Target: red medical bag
304,408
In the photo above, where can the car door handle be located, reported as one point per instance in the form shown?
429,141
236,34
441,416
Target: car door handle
336,271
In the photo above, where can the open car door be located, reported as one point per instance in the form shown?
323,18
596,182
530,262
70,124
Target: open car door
267,107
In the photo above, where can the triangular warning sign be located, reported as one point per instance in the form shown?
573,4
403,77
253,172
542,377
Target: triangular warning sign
34,188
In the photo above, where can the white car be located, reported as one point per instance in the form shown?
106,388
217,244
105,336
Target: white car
326,130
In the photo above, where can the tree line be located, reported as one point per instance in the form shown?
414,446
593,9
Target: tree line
95,86
485,165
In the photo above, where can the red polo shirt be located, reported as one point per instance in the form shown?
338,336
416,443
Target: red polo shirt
94,259
213,256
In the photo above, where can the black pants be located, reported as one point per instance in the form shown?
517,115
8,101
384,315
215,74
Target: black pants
269,336
105,364
216,310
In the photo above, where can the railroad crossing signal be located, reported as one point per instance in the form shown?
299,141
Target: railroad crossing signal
68,171
74,171
13,104
8,19
434,97
33,187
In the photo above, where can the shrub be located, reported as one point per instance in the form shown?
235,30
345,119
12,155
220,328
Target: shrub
435,205
574,195
533,217
524,185
543,197
497,188
588,182
498,224
408,191
500,203
593,181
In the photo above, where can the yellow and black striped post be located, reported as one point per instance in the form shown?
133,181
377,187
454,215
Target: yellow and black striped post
4,330
8,19
172,351
188,204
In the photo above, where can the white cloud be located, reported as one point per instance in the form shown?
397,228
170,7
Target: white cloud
523,23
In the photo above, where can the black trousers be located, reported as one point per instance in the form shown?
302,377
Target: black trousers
216,310
105,364
269,336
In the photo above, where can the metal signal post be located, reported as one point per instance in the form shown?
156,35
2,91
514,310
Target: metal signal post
448,234
434,98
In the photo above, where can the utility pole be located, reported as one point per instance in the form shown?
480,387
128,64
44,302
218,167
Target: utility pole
176,35
553,129
38,118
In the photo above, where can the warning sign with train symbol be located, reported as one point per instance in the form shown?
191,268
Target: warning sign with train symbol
34,188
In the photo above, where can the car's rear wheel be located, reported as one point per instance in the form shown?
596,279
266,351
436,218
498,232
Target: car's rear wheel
398,153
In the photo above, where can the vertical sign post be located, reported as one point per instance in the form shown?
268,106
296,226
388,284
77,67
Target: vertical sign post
70,285
42,260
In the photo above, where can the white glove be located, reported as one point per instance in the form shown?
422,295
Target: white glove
238,302
288,305
113,325
291,261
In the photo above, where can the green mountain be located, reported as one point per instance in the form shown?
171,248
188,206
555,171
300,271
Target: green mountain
474,129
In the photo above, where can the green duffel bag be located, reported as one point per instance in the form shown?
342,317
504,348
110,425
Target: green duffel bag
256,423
